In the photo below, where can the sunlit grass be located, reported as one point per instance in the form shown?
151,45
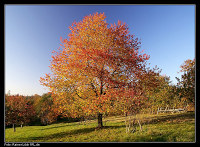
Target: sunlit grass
156,128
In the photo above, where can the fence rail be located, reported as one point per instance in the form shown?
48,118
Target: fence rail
171,110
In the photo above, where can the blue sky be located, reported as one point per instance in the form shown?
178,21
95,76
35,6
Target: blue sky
32,32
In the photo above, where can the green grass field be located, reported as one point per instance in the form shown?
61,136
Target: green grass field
178,127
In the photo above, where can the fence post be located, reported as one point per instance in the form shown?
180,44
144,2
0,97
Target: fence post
158,110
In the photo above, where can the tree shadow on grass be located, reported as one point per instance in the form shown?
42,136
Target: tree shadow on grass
65,125
110,127
68,133
63,134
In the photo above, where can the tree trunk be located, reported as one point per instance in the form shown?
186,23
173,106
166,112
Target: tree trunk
126,122
140,125
100,123
14,128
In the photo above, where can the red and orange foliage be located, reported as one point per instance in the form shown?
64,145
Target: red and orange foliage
98,69
19,110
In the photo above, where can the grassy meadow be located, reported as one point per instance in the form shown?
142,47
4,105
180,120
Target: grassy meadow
177,127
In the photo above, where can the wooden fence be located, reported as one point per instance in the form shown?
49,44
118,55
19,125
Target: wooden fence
171,110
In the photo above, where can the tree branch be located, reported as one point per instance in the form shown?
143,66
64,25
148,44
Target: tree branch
94,89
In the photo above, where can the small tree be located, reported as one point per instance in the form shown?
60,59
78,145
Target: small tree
187,81
47,113
163,95
44,108
18,109
186,85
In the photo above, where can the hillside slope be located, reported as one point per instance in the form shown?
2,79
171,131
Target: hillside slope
179,127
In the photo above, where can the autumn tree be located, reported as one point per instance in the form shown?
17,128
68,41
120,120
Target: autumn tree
44,108
164,95
47,114
98,69
18,110
37,105
186,84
